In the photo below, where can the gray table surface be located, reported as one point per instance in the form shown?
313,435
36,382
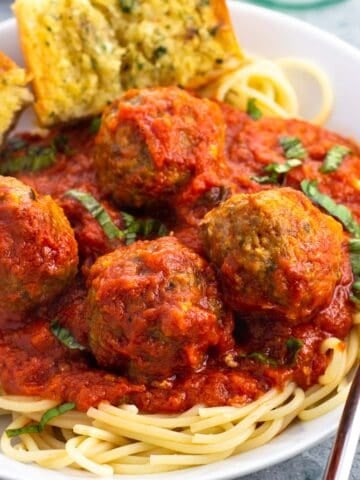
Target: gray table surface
343,20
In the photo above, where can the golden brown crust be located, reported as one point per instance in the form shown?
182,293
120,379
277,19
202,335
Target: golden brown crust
6,63
14,95
77,70
73,55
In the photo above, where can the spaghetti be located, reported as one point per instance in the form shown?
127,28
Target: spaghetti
108,439
267,83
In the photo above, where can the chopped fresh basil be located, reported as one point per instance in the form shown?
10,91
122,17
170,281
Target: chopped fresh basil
94,126
36,158
65,336
264,179
253,110
293,148
276,170
263,359
340,212
45,419
343,214
98,212
354,248
334,158
144,228
293,346
134,227
127,5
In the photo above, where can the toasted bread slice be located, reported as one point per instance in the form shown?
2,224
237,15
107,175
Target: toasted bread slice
180,42
73,55
83,53
14,95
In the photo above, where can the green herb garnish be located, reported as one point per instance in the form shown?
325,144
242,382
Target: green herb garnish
263,358
45,419
293,148
144,228
334,158
354,248
276,171
340,212
253,110
134,227
343,214
94,126
98,212
65,336
36,158
293,346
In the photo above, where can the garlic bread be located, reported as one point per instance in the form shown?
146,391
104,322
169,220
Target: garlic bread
14,95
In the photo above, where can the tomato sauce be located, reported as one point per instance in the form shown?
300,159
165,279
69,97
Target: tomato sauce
34,362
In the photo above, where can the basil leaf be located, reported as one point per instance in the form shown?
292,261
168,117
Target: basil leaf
354,247
276,170
65,336
263,359
338,211
293,345
15,432
253,110
293,147
280,168
334,158
94,126
55,412
45,419
134,227
98,212
265,179
142,227
36,158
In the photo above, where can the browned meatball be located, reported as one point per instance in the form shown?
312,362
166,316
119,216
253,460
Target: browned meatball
38,251
154,142
278,255
154,310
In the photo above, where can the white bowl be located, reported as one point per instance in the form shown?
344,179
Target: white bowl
272,35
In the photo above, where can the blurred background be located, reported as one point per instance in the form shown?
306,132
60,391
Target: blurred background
341,17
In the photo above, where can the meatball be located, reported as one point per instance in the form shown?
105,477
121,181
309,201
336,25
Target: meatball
38,249
155,142
154,310
278,255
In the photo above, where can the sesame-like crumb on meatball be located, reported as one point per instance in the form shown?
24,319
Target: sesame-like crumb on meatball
278,255
38,251
154,143
154,310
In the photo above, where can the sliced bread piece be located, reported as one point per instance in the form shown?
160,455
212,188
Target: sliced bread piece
14,95
174,42
73,55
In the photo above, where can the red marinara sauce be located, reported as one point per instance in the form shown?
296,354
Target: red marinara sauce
34,362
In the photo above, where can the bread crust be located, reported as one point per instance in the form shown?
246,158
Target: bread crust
14,95
199,45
